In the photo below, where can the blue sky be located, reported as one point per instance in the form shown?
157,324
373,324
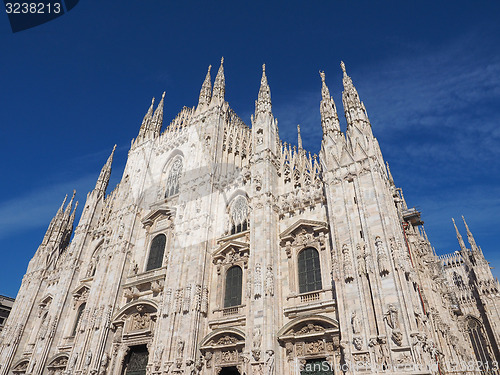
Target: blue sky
428,73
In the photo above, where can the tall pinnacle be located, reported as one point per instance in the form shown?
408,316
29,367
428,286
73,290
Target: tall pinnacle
147,119
103,180
220,84
470,237
70,204
459,237
263,103
353,107
299,137
329,117
157,119
206,90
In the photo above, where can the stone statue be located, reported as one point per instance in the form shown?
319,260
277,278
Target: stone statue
88,358
270,362
391,316
180,348
269,281
355,323
257,282
103,365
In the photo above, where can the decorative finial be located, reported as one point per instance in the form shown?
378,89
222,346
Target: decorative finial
342,65
322,75
222,60
209,68
299,138
153,101
163,95
263,68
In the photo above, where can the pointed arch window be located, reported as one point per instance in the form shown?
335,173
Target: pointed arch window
309,270
174,175
232,295
457,279
156,252
78,318
478,341
239,215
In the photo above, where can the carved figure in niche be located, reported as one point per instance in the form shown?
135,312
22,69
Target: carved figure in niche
391,316
380,351
269,281
258,369
270,362
358,342
416,344
397,337
347,264
289,349
257,282
88,358
103,365
157,356
257,337
355,323
180,348
140,321
208,359
72,364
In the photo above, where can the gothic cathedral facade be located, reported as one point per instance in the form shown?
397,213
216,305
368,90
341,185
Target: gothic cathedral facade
224,250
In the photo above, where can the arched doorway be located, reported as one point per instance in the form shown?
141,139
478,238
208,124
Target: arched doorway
136,361
229,371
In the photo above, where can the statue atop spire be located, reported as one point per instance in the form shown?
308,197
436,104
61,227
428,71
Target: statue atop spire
103,180
263,103
329,118
219,84
206,90
157,119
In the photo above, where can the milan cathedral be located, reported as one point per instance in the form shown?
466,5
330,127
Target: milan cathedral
224,250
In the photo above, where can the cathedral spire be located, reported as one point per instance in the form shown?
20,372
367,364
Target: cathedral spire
353,107
103,180
299,138
157,119
146,121
206,90
329,117
459,238
70,204
263,103
219,84
470,239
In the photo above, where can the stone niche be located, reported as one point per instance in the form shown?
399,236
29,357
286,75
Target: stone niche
310,337
224,348
58,364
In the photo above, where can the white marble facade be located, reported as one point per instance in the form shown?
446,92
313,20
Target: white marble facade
224,250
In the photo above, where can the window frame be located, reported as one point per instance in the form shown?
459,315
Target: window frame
238,297
150,247
314,270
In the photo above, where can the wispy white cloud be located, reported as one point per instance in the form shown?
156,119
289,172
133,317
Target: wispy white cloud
37,208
